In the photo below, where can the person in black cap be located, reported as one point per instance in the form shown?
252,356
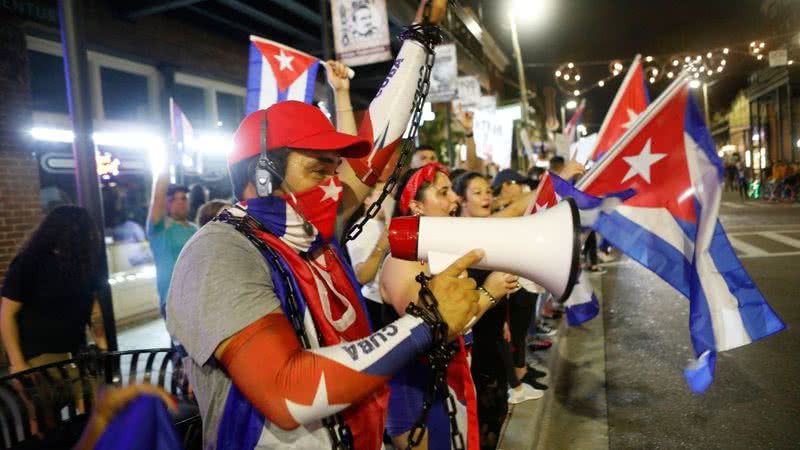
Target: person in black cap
507,187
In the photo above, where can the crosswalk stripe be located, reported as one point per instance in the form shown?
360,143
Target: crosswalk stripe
747,249
732,205
791,242
769,255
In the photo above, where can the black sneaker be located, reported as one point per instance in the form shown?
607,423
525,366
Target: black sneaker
534,372
530,378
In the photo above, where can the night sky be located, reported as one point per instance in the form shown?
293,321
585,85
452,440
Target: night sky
594,30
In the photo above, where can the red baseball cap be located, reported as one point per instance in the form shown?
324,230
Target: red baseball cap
297,125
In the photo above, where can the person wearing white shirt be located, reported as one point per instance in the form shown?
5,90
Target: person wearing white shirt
367,254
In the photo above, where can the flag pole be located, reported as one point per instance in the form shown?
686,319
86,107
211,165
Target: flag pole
680,81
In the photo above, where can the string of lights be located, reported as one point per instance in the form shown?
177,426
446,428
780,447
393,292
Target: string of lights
703,66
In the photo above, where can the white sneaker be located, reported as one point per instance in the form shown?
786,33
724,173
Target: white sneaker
524,393
605,257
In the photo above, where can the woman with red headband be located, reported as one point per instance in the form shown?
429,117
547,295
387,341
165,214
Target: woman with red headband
428,191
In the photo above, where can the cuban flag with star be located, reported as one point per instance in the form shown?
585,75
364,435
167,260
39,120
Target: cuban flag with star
671,225
277,73
630,101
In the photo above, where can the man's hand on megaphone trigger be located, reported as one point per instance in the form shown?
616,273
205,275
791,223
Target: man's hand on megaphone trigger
457,297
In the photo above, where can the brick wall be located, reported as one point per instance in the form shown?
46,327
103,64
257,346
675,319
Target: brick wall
19,177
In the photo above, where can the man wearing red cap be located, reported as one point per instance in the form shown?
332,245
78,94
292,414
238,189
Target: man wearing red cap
281,352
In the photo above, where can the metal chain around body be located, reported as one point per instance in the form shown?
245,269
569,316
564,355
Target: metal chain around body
429,36
439,358
340,434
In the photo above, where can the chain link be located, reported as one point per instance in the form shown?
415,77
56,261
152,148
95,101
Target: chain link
439,357
429,36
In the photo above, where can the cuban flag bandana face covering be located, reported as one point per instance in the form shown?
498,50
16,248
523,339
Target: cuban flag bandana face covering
307,230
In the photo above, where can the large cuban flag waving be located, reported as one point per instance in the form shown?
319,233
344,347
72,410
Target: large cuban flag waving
631,100
277,73
671,225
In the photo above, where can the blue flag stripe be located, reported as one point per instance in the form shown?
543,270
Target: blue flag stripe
253,79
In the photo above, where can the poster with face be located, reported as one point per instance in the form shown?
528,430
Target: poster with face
444,74
361,31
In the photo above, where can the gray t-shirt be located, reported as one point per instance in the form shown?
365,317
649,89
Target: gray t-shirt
220,285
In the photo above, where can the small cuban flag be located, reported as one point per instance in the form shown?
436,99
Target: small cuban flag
180,127
278,73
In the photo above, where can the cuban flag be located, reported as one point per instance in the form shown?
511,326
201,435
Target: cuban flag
631,100
671,225
277,73
180,127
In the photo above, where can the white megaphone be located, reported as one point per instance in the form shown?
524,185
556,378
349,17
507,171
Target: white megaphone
542,247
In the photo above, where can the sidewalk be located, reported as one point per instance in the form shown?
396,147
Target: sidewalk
573,414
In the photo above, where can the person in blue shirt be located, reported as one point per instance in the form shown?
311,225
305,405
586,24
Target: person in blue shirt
168,229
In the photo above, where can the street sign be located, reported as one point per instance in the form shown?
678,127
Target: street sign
778,58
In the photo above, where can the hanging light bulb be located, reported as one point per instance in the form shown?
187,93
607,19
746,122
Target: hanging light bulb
725,51
577,78
708,55
687,59
570,65
723,62
649,59
710,72
760,57
652,80
719,69
601,83
558,73
576,92
675,62
669,75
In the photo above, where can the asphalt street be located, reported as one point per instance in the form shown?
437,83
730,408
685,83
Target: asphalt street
754,402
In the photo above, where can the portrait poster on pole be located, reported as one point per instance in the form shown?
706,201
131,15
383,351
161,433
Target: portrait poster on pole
444,74
360,31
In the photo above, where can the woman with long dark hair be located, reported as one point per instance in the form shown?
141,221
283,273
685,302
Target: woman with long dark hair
50,290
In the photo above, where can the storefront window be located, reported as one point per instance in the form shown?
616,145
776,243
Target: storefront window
48,86
124,95
230,111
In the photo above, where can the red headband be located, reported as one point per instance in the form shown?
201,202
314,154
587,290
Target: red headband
425,173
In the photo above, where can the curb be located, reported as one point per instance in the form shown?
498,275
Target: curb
573,412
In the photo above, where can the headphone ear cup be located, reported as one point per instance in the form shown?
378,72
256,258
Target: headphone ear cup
263,180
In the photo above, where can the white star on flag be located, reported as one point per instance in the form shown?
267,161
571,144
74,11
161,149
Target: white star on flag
640,164
332,191
541,206
319,407
631,118
285,61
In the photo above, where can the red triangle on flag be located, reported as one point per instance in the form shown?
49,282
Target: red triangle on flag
652,160
287,63
630,101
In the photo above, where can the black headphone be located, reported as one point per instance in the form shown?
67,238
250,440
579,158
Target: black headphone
263,180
